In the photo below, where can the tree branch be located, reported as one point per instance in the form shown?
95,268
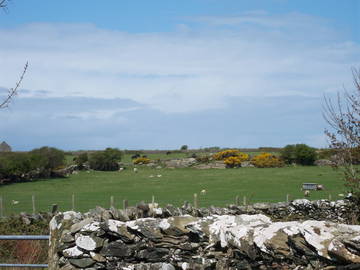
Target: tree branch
13,91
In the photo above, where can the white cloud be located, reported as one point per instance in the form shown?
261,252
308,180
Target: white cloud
192,69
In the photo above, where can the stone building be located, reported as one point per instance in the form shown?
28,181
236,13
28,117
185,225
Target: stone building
4,147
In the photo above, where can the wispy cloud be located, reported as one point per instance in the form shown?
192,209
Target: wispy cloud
248,80
183,71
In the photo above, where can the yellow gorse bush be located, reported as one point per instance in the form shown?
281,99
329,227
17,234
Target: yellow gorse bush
141,160
266,160
232,162
231,153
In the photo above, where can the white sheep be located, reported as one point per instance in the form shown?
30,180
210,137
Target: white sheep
307,193
135,170
14,202
159,175
121,169
203,192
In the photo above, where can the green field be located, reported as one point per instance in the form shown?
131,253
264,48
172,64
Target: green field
174,186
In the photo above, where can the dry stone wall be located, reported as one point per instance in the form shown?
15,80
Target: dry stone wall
215,238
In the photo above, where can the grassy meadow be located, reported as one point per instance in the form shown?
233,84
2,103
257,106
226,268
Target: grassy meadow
174,187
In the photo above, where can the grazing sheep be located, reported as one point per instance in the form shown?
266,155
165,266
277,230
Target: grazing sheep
203,192
319,187
121,169
151,176
14,202
307,193
159,175
135,170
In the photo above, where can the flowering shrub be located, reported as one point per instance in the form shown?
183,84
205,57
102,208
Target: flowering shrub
141,160
266,160
232,162
225,154
231,153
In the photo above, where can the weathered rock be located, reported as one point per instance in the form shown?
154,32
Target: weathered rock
82,263
147,227
89,243
120,229
77,226
153,254
117,249
119,214
73,252
176,225
324,162
180,163
97,257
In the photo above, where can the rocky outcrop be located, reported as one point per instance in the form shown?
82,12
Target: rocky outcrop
211,165
211,242
324,162
180,163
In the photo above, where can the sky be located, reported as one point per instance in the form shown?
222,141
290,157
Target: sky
139,74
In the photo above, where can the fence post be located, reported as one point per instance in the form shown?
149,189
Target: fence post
33,204
237,200
1,207
111,201
152,200
73,202
329,197
54,208
196,204
125,204
244,200
287,198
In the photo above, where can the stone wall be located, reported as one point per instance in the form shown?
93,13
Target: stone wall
214,238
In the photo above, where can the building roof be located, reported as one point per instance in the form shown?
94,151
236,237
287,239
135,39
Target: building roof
4,147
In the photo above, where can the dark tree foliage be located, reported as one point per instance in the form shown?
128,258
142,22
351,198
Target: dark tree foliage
343,117
38,163
301,154
184,147
107,160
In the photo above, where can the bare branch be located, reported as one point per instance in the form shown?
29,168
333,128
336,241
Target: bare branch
3,3
13,91
343,117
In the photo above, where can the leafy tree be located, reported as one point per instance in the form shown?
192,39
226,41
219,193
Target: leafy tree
299,153
107,160
288,154
343,117
47,159
184,147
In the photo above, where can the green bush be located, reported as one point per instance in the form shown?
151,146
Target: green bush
105,160
301,154
31,165
184,147
48,157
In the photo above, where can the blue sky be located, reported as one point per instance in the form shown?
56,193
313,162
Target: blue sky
160,74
